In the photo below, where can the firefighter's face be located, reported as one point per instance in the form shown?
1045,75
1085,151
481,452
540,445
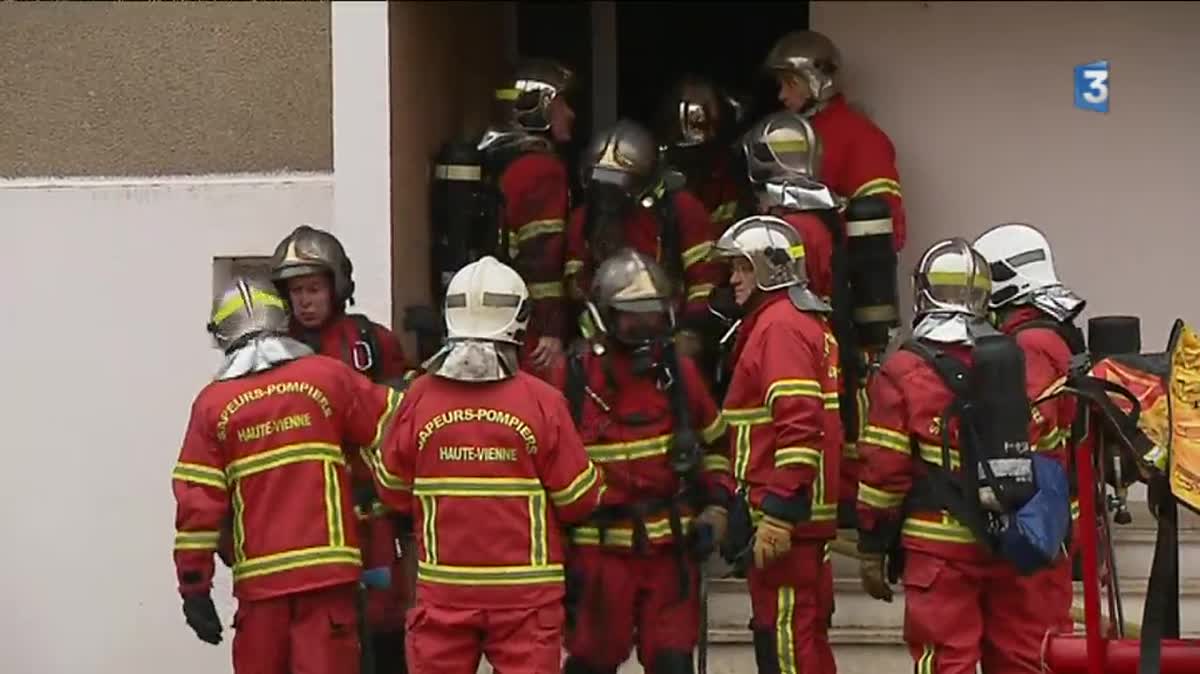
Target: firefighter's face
741,277
562,120
311,297
793,92
641,327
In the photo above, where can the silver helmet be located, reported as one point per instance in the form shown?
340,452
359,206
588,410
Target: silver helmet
951,286
524,101
246,307
810,56
783,160
776,252
308,250
631,282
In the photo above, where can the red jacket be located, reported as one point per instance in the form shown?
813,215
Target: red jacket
496,469
858,159
341,338
720,191
818,249
782,409
629,439
537,199
266,451
700,274
907,400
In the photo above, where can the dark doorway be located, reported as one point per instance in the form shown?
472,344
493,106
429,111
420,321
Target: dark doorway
658,42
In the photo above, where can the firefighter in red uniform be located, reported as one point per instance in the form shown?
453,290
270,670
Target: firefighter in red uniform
311,268
1032,304
263,451
696,124
967,601
782,409
487,457
629,205
858,158
634,560
534,194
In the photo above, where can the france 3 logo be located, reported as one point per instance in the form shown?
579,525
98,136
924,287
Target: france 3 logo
1091,86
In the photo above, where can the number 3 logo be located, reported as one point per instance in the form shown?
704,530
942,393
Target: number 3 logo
1097,84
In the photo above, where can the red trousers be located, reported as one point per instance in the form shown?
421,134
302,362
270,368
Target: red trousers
626,595
792,603
960,614
446,640
314,632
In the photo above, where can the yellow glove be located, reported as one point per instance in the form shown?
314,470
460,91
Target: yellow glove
772,540
874,578
718,518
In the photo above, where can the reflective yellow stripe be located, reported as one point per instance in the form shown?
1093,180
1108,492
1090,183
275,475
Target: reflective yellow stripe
538,228
831,400
657,530
333,506
715,430
716,463
792,456
958,278
572,267
237,302
578,487
792,387
543,291
850,451
393,401
295,559
949,530
507,94
477,486
288,454
697,253
239,529
725,211
489,575
1074,509
626,451
429,526
878,498
877,186
197,540
746,417
699,291
741,453
199,474
537,530
375,462
785,646
1052,440
885,438
926,661
933,454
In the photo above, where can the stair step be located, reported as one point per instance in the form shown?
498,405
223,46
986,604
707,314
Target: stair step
729,606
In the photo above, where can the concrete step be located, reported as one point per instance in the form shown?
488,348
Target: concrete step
729,606
1134,545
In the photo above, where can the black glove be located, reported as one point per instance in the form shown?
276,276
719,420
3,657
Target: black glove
202,617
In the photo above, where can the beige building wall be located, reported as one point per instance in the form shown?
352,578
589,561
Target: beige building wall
103,89
978,99
446,60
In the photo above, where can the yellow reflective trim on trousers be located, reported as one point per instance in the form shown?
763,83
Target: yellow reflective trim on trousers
657,529
282,456
375,462
933,454
699,291
196,473
886,438
793,456
393,401
197,540
578,487
785,613
489,575
295,559
697,253
239,529
949,530
537,530
477,486
333,506
877,186
429,526
715,463
878,498
542,291
237,302
625,451
715,430
926,661
536,228
792,387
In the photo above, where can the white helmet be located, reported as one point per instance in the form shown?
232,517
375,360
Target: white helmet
486,300
1020,260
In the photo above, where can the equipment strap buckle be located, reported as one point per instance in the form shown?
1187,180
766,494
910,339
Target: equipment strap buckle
361,356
